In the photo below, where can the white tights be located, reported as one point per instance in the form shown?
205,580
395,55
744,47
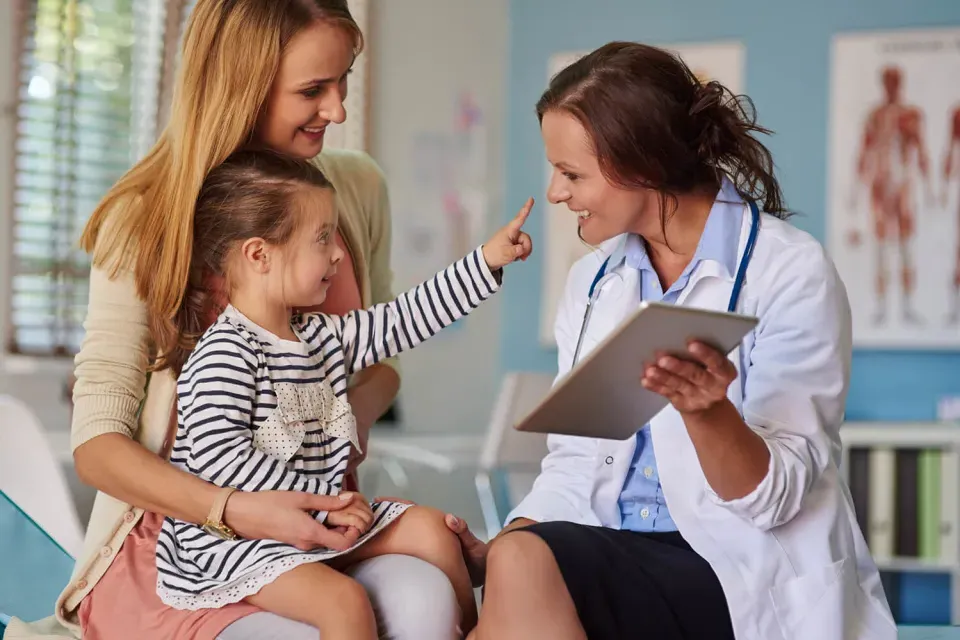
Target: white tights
412,599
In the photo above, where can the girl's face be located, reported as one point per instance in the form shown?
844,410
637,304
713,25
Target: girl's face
604,210
309,259
308,91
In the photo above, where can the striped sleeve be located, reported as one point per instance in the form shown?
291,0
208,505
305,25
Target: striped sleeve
368,336
217,396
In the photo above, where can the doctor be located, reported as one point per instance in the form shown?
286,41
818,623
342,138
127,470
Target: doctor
726,516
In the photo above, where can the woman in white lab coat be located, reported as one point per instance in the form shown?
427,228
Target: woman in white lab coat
726,516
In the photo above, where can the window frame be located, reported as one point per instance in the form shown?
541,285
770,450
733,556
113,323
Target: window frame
11,361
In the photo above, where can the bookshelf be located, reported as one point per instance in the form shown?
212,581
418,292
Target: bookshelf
883,441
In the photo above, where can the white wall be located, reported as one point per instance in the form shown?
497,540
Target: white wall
424,53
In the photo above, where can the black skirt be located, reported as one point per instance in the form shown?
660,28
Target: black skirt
637,585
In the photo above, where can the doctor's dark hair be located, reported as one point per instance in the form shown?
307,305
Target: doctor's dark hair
254,193
653,124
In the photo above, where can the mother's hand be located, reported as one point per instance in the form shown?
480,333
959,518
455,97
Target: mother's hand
285,516
691,387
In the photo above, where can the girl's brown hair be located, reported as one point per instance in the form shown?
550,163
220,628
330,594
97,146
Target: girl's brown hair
653,124
230,56
253,194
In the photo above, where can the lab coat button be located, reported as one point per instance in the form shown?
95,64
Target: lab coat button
609,460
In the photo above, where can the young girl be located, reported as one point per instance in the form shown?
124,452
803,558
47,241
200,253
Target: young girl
261,398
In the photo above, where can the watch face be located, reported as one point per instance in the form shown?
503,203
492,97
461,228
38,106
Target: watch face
215,532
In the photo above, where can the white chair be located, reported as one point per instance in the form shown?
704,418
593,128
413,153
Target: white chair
511,456
32,476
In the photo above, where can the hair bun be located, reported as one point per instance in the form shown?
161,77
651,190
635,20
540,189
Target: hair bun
711,120
707,96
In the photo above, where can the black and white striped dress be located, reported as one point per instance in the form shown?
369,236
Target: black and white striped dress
261,413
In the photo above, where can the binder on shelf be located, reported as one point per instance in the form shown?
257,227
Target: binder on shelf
949,508
906,498
882,502
928,506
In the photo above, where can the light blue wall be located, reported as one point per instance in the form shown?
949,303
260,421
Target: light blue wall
787,73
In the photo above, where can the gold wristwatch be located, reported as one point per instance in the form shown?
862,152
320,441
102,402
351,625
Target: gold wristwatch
214,524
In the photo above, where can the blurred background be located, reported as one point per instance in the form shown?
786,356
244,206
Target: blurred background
443,100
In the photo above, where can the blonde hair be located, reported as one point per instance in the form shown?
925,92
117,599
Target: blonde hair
231,52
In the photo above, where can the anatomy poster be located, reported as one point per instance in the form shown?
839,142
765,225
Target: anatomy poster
722,61
894,184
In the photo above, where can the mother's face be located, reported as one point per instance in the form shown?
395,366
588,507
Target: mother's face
308,92
604,210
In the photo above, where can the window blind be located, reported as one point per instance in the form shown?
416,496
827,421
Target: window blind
87,110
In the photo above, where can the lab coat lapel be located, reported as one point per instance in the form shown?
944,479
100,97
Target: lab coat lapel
618,300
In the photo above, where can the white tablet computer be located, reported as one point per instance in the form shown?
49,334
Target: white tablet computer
601,397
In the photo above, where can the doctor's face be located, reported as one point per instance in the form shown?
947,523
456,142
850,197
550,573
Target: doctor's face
604,210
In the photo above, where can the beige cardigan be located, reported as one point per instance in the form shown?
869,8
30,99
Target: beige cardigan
111,373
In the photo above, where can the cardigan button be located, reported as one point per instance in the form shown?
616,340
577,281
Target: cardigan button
81,584
106,551
609,460
129,517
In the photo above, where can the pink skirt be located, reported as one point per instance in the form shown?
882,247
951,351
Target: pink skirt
124,604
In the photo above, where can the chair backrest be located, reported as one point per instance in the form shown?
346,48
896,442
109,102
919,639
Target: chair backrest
32,478
504,447
510,459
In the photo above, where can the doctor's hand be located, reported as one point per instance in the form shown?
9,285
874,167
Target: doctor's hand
475,550
510,243
691,386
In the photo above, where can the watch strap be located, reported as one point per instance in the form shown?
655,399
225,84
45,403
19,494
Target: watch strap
215,517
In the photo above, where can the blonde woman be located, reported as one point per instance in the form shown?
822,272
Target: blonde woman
272,72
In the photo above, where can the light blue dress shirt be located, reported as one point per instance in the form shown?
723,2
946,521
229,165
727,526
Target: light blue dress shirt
642,506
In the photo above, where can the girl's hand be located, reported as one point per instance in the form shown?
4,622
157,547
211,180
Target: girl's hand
691,387
510,243
357,516
285,516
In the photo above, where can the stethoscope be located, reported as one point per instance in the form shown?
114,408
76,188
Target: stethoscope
594,292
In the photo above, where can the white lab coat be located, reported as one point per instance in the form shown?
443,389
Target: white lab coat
790,556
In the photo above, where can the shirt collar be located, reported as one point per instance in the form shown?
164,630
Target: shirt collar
719,242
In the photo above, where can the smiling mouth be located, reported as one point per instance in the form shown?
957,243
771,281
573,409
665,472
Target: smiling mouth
583,215
314,130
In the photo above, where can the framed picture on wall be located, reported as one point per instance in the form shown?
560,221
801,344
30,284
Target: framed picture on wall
722,61
893,184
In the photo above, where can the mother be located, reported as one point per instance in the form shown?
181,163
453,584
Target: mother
726,516
272,72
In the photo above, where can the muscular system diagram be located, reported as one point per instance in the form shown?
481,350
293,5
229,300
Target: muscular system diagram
891,160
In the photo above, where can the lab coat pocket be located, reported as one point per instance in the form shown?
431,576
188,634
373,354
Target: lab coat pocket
813,605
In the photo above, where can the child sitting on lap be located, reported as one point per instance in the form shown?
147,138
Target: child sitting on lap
261,398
